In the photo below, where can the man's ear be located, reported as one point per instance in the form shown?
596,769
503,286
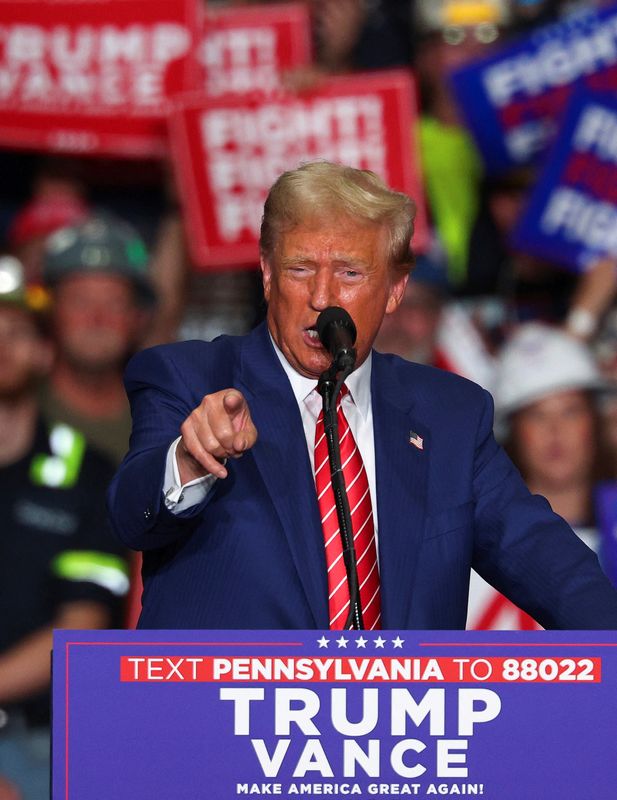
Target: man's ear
397,290
266,275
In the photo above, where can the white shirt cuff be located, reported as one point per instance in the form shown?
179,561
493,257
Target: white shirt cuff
178,497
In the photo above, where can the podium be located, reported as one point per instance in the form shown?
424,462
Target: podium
186,715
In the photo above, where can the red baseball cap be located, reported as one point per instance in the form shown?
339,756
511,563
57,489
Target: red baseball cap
44,215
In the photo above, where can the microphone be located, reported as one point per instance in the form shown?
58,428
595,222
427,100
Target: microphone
337,333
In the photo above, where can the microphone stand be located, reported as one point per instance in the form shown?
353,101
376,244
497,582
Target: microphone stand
329,388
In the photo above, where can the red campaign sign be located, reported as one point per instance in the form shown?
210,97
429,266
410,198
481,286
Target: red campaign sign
229,152
246,49
94,76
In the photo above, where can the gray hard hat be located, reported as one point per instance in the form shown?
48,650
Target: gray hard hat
101,243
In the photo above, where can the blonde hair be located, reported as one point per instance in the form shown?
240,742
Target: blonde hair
321,189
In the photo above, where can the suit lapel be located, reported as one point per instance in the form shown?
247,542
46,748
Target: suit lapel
402,472
282,459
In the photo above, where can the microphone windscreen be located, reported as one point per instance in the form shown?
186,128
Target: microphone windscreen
331,318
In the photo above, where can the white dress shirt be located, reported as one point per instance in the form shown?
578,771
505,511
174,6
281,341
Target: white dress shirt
356,407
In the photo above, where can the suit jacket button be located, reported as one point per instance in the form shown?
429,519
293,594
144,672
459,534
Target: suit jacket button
147,513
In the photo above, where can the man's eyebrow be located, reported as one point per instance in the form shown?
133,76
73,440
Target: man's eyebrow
337,258
295,260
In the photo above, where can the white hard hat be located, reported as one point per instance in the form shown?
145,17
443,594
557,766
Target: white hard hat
537,361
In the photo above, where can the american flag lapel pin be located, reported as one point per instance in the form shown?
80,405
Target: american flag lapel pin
415,440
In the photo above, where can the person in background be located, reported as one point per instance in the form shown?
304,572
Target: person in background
529,288
546,391
360,35
57,201
59,566
412,332
97,273
451,33
430,327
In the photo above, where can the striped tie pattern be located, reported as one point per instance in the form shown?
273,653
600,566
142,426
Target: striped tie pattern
362,524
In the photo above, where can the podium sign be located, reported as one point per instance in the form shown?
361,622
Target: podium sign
220,715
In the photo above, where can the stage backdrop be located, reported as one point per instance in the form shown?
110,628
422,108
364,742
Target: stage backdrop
220,715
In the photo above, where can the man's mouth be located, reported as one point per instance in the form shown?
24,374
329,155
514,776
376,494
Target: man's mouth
311,337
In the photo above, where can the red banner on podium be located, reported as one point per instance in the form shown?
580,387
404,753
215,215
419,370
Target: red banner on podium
246,49
228,152
94,76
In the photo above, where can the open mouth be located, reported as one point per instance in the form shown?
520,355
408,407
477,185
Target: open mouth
311,336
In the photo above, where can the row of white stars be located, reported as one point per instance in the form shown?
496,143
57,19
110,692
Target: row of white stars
361,642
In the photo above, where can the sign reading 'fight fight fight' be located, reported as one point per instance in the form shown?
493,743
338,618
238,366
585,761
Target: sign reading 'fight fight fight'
571,217
228,153
513,100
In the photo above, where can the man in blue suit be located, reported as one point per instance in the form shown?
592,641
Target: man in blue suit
218,488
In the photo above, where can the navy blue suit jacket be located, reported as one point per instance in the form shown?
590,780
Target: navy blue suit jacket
251,554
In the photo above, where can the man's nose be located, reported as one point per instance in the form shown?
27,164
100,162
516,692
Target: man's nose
323,290
555,425
100,313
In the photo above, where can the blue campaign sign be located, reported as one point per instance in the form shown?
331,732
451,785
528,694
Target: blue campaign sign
194,715
513,100
571,215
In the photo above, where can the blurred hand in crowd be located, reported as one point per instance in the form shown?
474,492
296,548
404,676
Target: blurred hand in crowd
594,295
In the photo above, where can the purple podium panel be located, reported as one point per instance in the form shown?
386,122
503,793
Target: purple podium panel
217,715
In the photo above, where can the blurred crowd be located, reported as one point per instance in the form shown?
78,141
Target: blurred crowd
94,266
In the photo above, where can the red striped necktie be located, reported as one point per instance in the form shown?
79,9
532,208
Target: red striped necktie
362,525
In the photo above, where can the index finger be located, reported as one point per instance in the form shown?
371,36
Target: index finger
233,402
